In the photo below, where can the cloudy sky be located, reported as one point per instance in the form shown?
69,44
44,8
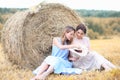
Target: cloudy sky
74,4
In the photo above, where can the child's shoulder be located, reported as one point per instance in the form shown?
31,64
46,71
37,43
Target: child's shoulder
56,38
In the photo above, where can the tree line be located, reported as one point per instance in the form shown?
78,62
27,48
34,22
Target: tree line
98,13
101,22
10,10
6,11
103,26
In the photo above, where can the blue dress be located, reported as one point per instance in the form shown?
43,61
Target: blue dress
59,60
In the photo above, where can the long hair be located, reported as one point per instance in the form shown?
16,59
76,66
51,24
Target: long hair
67,30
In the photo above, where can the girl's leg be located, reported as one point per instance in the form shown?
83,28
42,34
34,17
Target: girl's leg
46,73
111,65
43,67
106,67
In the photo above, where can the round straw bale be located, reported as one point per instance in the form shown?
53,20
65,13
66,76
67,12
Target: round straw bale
27,36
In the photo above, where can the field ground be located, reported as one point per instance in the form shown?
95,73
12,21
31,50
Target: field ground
109,48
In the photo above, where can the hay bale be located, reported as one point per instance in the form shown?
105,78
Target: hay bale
27,36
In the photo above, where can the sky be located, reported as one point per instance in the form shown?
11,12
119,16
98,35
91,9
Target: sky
74,4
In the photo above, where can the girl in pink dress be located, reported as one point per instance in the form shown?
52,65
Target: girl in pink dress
92,60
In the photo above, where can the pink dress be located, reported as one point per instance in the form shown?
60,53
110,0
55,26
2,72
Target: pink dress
92,60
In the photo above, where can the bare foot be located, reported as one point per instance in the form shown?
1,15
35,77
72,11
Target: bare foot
43,76
108,69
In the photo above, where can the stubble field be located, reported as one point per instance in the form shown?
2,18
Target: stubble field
109,48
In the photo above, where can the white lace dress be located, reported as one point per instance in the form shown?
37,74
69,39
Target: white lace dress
92,60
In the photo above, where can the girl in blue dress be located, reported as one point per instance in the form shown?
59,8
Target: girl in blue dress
58,61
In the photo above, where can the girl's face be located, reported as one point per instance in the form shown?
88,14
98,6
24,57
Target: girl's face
69,35
79,34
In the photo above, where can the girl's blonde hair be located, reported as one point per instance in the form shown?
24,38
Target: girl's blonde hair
67,30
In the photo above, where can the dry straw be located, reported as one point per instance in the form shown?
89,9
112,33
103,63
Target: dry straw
27,35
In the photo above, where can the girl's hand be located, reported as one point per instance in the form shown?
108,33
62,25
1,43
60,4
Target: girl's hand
73,59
